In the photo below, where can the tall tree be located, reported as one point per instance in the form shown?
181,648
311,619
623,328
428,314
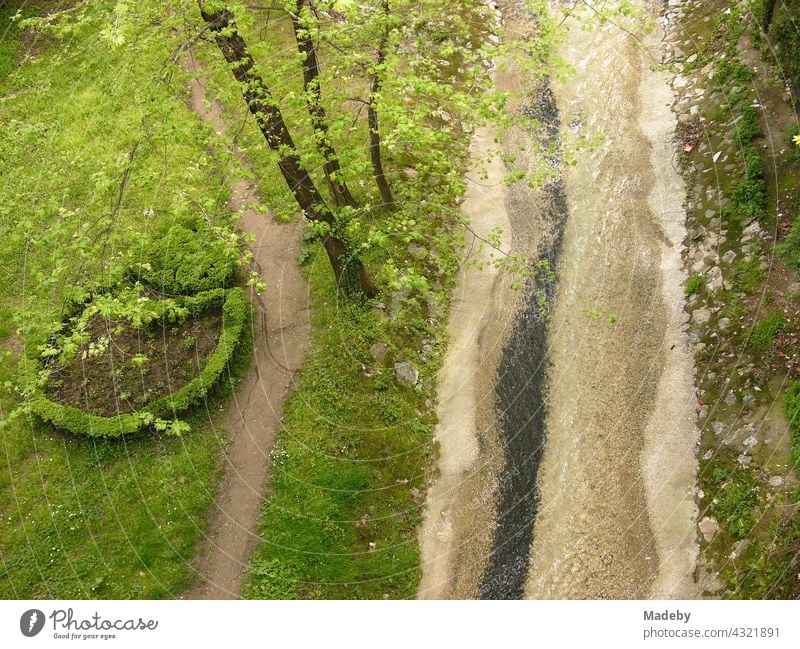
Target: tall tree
313,96
347,268
372,113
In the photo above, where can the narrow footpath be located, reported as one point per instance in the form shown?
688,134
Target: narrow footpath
252,418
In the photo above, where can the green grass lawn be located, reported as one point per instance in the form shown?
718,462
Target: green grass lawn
113,519
123,518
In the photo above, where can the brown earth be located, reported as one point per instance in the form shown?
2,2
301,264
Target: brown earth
252,419
110,383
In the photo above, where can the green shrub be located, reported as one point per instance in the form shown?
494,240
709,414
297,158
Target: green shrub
792,401
733,72
785,37
748,128
694,284
789,249
747,272
235,315
736,498
186,259
750,194
763,334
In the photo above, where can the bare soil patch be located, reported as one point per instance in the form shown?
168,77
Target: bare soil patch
113,382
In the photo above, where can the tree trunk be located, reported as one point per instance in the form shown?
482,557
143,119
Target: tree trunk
269,118
769,12
319,120
372,120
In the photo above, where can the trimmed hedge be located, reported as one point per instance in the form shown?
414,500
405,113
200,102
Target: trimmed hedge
235,310
179,262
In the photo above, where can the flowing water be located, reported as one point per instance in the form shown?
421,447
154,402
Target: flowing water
589,490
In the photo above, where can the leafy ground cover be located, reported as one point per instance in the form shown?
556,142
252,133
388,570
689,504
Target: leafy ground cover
94,518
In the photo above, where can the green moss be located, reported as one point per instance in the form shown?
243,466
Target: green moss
694,284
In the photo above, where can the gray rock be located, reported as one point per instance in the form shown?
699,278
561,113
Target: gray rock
729,256
776,481
714,279
739,547
717,427
406,373
749,400
417,251
730,398
378,351
701,316
434,307
708,528
410,172
745,460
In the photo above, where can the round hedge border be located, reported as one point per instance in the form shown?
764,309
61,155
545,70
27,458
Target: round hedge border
235,314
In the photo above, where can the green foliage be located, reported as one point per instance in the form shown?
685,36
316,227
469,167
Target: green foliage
792,401
186,259
793,145
748,128
9,39
785,37
764,333
789,248
160,413
736,496
694,284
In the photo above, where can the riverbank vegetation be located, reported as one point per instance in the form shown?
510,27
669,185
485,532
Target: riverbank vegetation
744,196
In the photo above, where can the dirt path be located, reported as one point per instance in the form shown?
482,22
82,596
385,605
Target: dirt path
616,518
252,419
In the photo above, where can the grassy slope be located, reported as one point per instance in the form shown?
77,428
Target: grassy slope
351,463
84,519
763,319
